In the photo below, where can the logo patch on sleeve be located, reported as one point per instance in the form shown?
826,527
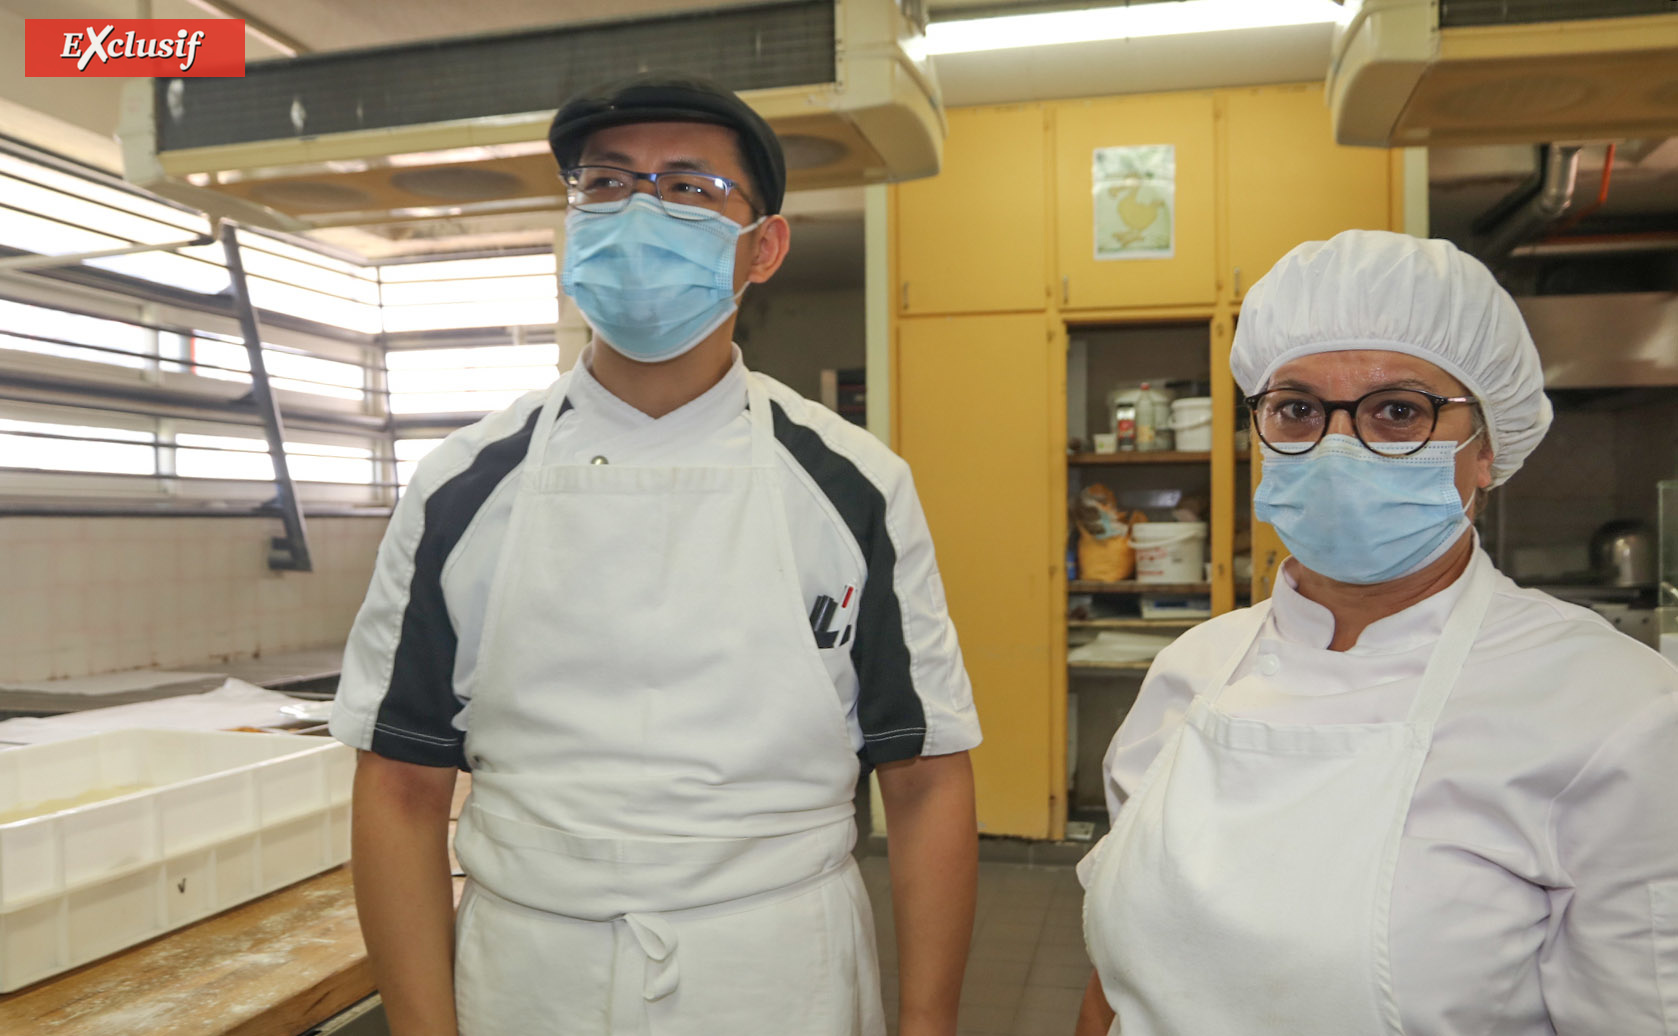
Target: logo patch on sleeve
830,619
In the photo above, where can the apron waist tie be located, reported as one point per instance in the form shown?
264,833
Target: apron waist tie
655,936
657,940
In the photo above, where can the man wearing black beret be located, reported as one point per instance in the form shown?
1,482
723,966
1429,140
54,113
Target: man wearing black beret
667,612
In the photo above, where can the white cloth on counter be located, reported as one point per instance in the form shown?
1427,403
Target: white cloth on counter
1375,289
1536,887
1118,646
233,704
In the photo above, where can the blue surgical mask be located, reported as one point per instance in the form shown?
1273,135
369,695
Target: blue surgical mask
1357,517
653,286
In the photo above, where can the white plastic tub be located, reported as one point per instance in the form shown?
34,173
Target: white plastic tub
199,822
1191,422
1169,552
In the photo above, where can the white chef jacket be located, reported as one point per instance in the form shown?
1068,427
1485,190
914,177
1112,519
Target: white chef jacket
412,657
1536,890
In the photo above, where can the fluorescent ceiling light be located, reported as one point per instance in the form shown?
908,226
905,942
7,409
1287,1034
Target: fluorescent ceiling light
1174,18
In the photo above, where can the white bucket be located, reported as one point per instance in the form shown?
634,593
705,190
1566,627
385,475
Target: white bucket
1169,552
1191,420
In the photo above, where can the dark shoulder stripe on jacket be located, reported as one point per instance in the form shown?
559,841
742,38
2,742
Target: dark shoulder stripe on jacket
892,718
415,718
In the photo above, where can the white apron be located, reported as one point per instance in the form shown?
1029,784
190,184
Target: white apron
1246,885
659,832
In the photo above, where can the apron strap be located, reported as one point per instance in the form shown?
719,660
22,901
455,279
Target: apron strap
537,453
1253,621
1456,640
657,940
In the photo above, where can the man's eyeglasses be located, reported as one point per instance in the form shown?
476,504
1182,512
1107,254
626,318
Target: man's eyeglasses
1390,422
683,195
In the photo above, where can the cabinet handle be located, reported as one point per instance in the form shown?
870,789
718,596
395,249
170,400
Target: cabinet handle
1237,286
1065,290
904,302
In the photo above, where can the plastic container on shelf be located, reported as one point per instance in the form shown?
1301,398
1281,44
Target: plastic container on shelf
1121,407
109,840
1191,423
1169,552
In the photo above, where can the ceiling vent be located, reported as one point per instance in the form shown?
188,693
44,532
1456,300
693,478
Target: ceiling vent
1444,72
459,127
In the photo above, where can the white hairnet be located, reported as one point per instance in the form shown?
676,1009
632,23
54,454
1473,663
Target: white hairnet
1374,289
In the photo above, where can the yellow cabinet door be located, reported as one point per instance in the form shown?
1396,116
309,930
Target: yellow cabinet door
971,239
1136,238
972,401
1290,182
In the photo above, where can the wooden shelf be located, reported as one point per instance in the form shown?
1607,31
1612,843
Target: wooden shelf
1131,586
1106,668
1143,457
1135,625
1149,457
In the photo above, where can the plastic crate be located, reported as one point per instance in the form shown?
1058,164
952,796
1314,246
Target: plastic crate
202,821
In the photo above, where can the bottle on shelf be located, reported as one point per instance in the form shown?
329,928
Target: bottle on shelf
1147,421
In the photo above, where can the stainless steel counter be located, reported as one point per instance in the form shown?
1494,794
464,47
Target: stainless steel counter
311,672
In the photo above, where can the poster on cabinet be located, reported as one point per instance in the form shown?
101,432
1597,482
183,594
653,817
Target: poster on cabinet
1135,209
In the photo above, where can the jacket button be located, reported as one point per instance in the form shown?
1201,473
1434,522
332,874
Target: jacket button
1269,665
598,460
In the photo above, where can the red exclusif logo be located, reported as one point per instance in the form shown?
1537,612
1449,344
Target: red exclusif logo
163,48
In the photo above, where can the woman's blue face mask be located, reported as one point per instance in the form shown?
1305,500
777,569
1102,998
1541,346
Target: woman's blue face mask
1357,517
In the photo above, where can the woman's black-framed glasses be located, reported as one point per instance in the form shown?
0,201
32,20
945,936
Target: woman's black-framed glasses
1390,422
683,195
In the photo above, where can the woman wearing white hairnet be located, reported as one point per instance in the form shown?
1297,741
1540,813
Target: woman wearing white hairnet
1404,795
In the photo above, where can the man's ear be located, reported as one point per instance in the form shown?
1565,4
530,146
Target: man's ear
773,240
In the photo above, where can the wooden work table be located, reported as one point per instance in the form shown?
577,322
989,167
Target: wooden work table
276,966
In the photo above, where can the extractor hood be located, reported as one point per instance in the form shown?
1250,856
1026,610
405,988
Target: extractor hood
1627,340
459,127
1443,72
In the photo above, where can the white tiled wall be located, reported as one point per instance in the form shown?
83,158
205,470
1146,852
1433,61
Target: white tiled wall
80,596
1600,461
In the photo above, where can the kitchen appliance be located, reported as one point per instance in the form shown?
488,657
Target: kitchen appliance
1623,553
1611,340
325,140
1425,73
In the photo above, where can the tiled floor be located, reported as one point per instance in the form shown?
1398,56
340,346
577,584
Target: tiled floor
1027,972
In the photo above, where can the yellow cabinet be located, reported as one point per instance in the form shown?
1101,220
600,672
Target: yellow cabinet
1290,182
1113,247
970,240
972,397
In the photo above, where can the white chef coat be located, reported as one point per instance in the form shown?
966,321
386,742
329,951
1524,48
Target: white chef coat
1536,888
897,669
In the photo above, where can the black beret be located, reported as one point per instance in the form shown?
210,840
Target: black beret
661,98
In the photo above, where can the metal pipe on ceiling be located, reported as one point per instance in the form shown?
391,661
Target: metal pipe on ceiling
1548,203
